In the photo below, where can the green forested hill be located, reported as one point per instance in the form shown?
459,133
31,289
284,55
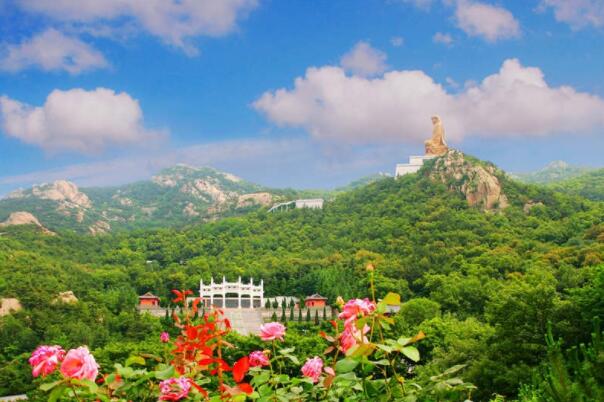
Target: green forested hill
589,185
554,172
482,284
174,197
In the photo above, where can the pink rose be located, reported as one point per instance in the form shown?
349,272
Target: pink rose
312,368
80,364
356,307
352,335
258,358
44,359
174,389
164,337
272,331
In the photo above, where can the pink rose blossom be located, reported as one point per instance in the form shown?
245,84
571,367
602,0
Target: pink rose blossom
272,331
352,335
329,371
258,358
164,337
44,359
356,307
80,364
312,368
174,389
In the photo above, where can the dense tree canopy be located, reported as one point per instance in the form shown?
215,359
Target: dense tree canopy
483,286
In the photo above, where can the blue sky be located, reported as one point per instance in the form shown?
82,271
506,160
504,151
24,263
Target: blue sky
293,93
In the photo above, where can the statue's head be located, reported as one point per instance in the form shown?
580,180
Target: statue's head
435,119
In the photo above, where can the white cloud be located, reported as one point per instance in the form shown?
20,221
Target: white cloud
489,22
397,41
174,21
577,13
76,120
51,51
443,38
396,107
365,61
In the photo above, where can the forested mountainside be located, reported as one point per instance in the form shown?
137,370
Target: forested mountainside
174,197
589,185
554,172
484,265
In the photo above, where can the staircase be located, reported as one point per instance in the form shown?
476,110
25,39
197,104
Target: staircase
244,321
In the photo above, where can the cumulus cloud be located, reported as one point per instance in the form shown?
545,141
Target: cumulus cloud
443,38
489,22
396,107
364,60
76,120
51,51
174,21
577,13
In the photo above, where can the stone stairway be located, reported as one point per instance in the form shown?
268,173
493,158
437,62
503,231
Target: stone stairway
244,321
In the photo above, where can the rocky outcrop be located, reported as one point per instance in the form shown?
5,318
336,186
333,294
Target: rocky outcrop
24,218
99,227
530,205
189,210
478,182
67,297
62,191
206,190
246,200
165,180
9,305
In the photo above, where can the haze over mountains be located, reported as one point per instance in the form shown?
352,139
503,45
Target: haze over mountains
183,195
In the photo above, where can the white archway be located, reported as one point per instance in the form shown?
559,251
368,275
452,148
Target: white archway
207,293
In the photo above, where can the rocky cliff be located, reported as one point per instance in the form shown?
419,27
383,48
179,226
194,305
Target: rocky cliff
478,181
23,218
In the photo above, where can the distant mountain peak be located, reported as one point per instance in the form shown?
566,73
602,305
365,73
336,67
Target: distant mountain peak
554,171
559,164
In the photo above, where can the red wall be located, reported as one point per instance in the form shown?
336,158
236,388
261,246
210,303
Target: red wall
148,302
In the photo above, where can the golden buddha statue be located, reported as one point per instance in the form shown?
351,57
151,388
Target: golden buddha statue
436,145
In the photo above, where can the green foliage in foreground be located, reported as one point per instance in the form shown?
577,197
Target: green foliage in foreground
482,286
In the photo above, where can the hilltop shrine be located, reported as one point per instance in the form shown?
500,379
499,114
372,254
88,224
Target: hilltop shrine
434,147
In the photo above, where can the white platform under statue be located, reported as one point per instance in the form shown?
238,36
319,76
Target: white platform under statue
415,163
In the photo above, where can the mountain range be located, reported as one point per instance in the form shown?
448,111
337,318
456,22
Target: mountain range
183,195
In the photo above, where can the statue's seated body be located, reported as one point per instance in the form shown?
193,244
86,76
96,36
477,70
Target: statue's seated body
436,145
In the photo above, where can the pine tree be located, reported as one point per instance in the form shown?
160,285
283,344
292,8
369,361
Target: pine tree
316,317
267,304
324,313
283,318
307,315
299,314
274,317
291,313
